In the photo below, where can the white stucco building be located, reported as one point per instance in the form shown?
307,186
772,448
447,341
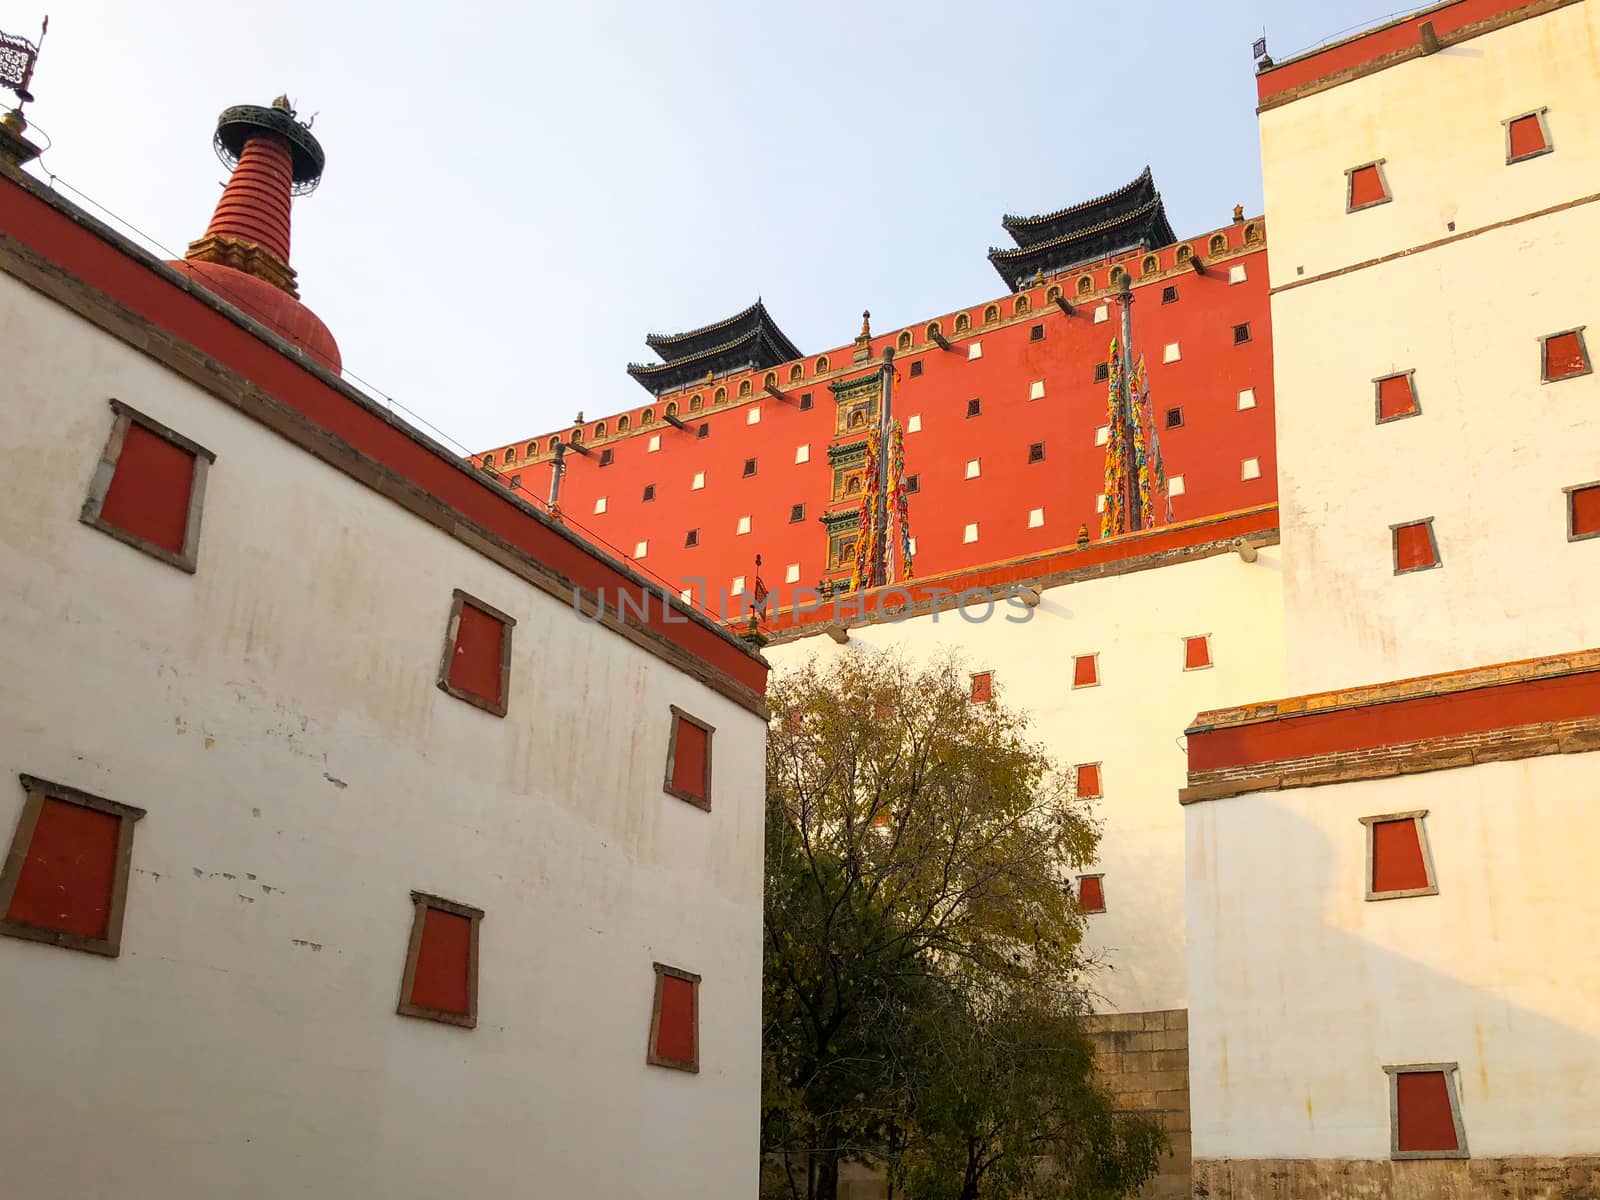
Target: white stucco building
346,856
1386,996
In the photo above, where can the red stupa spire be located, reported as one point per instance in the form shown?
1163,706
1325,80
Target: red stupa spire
244,256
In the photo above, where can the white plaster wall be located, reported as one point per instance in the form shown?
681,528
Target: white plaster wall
1487,458
1300,990
1489,455
1132,723
1436,121
276,715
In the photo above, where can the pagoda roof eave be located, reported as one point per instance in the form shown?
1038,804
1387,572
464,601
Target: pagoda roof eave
753,350
1029,231
672,347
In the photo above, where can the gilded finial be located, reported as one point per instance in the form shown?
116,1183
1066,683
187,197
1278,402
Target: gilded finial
866,323
1238,212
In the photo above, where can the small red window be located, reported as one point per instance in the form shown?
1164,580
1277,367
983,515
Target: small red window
1425,1117
1525,137
1367,187
675,1020
149,492
1396,397
1565,356
1091,894
148,488
1414,547
1085,670
441,975
1583,511
1196,652
65,880
1089,781
689,759
982,687
477,654
1397,857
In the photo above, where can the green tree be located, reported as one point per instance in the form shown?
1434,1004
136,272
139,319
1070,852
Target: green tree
923,972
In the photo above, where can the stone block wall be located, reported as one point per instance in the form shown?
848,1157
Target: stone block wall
1143,1060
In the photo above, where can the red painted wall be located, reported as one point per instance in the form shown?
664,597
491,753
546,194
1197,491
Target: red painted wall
1208,450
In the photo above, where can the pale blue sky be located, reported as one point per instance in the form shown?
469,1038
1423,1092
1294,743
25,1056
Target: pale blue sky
516,195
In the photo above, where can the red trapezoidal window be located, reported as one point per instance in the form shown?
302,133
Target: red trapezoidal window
1397,397
148,488
1583,511
1091,894
1565,355
1414,547
689,759
1426,1112
1367,187
476,666
982,687
441,975
675,1020
1197,652
1398,861
65,880
1085,670
1088,781
1526,137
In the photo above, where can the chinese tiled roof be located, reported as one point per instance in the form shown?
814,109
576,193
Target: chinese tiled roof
1132,216
748,339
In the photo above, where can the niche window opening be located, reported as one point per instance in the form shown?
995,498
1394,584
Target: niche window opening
440,981
148,488
691,538
1399,860
974,408
705,430
1528,136
1036,333
1036,453
649,493
1197,652
1366,186
1395,396
1564,355
797,513
476,663
1102,372
689,760
1085,670
1169,294
65,880
1425,1112
1174,418
1241,333
1415,546
1088,781
1091,894
607,457
675,1020
1583,511
916,368
805,402
749,467
913,484
982,687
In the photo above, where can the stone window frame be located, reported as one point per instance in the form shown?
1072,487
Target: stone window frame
1099,766
1543,115
1583,348
1350,183
692,1066
37,791
679,716
1093,657
106,468
1210,662
447,654
1101,876
1394,546
1410,375
1569,492
1450,1070
1415,816
421,902
986,674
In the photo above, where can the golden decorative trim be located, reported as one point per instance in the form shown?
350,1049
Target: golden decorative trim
250,257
